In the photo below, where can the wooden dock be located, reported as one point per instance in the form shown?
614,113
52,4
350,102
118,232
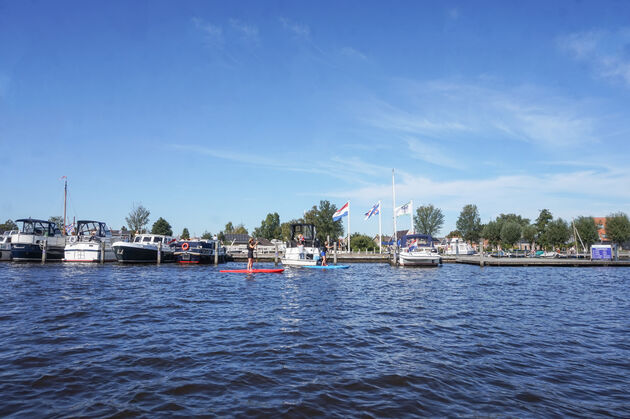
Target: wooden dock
571,262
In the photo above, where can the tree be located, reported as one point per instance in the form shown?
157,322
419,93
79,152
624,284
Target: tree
504,218
454,233
544,218
510,233
587,229
322,219
240,229
428,220
8,226
161,226
557,233
229,228
58,221
469,223
206,235
618,228
492,233
185,234
529,234
269,227
138,219
360,241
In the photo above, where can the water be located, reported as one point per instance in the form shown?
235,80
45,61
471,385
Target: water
372,340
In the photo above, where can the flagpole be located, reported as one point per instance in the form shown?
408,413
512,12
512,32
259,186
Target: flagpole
348,226
394,209
413,228
380,233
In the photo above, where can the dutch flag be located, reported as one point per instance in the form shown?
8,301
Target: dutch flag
342,212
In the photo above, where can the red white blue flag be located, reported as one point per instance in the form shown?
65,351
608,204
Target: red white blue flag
373,211
342,212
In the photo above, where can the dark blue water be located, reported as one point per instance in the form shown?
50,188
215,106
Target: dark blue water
371,340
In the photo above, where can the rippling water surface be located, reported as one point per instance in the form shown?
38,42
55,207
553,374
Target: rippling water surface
169,340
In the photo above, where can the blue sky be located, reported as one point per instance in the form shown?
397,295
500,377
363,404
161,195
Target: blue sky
208,112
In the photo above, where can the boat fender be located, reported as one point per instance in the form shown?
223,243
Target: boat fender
185,246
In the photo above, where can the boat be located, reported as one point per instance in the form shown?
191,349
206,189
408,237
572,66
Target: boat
5,245
418,250
457,246
33,236
198,251
144,249
86,245
303,247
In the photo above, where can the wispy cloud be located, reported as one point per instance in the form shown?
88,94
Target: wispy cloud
607,52
431,153
298,29
352,53
213,34
247,32
450,111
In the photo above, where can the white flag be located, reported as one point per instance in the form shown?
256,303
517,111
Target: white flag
403,209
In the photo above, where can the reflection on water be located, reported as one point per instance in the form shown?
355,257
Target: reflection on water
92,340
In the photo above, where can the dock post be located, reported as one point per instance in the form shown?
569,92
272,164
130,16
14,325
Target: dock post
275,257
102,252
44,249
481,252
159,253
335,254
216,253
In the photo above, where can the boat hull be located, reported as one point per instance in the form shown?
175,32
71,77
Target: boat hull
136,254
21,252
88,252
419,260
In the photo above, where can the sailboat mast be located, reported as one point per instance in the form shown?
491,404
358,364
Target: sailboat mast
394,208
65,200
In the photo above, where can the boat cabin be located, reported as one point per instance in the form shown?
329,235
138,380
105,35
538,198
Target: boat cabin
306,231
86,228
419,240
153,238
37,227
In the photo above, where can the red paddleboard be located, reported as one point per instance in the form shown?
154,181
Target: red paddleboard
253,271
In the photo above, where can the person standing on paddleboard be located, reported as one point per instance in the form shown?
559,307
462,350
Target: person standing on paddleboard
324,252
251,246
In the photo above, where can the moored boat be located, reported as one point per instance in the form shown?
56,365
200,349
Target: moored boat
5,245
303,247
32,237
144,249
457,246
418,250
91,238
198,251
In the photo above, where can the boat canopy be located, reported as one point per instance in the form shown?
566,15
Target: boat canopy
421,240
306,230
37,227
93,228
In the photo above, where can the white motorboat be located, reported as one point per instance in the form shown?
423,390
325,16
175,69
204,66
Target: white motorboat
86,245
418,250
457,246
5,245
302,249
144,249
33,236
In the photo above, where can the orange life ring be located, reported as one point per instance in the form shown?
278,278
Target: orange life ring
185,246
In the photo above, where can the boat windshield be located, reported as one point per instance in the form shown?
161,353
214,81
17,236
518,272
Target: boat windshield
38,228
157,239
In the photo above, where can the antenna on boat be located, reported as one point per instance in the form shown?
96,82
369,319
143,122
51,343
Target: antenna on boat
65,199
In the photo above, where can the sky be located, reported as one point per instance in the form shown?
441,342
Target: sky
206,112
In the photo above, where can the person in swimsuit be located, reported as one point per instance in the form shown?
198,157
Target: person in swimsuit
324,252
251,246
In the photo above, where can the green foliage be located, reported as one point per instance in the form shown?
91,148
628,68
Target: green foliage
285,229
324,224
185,234
544,218
618,228
240,229
229,228
161,226
270,227
360,241
58,220
510,233
587,229
206,235
492,233
469,223
8,226
529,233
504,218
557,233
454,233
138,219
428,220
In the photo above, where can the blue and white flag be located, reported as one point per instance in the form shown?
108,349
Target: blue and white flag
403,209
70,229
373,211
342,212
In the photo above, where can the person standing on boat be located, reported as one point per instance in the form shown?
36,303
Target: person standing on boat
251,246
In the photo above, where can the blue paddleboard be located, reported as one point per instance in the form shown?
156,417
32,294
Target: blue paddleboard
328,267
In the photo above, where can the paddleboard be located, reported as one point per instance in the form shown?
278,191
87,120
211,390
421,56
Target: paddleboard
253,271
328,267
